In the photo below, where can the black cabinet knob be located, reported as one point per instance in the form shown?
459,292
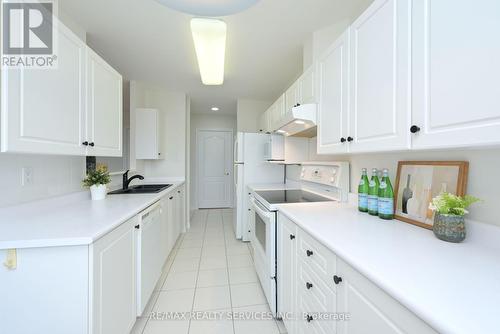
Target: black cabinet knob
309,285
91,144
309,318
337,279
342,140
309,252
137,227
85,143
171,198
298,104
350,139
292,237
414,129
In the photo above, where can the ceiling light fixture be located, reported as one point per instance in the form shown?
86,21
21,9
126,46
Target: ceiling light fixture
209,7
215,109
209,36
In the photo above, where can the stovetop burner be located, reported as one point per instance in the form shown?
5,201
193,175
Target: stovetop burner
290,196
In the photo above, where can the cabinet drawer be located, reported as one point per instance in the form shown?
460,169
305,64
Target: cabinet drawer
318,257
317,291
319,323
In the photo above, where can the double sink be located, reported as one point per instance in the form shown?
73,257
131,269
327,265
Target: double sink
142,189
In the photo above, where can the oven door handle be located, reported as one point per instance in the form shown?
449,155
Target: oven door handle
261,210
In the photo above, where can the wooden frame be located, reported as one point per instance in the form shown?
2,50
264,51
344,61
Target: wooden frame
426,220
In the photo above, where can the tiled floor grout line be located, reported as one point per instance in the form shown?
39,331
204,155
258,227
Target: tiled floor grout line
198,269
227,271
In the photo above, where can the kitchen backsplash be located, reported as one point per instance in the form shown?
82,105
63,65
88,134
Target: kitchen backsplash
26,177
483,178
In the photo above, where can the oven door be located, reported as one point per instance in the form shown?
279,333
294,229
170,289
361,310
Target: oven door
263,241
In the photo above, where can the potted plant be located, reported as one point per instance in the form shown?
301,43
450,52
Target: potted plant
97,180
449,221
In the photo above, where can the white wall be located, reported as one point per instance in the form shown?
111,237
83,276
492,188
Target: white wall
205,121
248,113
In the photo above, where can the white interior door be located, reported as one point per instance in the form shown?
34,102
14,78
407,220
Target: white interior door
215,164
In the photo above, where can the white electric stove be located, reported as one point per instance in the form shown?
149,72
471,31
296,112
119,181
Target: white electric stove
319,182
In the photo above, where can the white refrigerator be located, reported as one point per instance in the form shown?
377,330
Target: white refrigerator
250,167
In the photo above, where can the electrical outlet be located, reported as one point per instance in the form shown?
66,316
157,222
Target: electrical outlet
27,176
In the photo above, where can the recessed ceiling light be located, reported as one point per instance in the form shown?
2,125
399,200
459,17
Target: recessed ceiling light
209,7
215,109
209,36
300,122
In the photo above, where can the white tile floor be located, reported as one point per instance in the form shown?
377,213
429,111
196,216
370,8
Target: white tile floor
211,271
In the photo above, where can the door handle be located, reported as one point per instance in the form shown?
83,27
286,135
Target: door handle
227,173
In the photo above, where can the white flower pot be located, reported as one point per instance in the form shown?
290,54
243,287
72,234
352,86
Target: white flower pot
98,192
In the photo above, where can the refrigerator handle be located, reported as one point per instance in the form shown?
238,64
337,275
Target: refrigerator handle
235,150
235,176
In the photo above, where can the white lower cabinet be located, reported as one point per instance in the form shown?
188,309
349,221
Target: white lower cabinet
325,295
371,308
287,234
113,281
91,289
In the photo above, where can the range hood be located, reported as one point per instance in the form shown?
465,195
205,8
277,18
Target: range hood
301,120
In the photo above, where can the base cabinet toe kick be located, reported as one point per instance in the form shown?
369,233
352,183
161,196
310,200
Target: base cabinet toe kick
99,288
320,293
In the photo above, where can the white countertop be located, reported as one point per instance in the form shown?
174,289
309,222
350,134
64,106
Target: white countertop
70,220
455,288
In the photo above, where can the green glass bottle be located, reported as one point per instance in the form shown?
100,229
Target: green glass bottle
385,197
363,192
373,193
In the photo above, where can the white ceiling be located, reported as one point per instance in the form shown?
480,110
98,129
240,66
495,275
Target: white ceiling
147,41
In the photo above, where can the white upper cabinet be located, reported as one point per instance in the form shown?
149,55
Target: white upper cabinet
332,70
455,73
104,107
307,87
43,110
380,61
72,109
148,134
292,96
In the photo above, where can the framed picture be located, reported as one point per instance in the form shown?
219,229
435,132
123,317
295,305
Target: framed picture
417,182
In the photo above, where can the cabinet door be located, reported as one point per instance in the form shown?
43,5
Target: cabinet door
292,97
104,107
114,281
333,100
380,87
43,109
287,239
455,73
181,209
371,310
171,223
307,89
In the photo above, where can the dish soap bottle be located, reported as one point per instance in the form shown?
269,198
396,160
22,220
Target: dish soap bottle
385,197
373,187
363,192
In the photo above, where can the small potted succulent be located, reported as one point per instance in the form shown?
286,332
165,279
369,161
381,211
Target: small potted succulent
97,180
449,221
